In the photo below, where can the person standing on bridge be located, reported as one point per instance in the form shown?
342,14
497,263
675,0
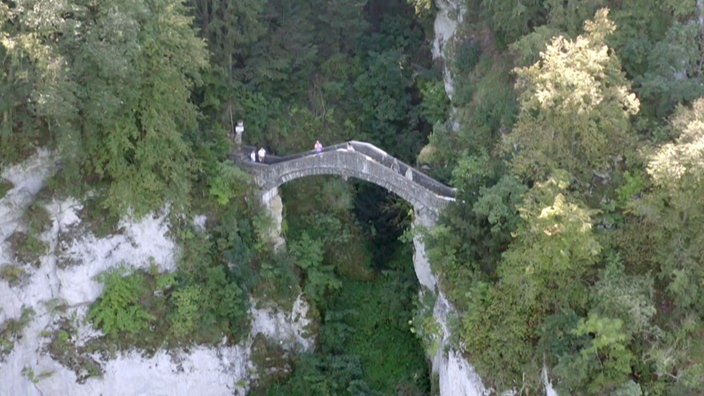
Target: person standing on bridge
239,131
318,147
395,167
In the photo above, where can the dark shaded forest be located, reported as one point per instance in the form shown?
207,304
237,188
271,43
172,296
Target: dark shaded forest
575,144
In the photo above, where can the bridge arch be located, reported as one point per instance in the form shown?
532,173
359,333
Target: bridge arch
362,161
358,160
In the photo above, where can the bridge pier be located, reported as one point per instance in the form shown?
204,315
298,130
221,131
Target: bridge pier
423,219
271,201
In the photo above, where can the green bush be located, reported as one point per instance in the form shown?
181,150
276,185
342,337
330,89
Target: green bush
195,255
227,300
98,219
320,279
149,310
230,182
327,375
435,105
119,312
467,55
206,310
188,314
369,321
632,187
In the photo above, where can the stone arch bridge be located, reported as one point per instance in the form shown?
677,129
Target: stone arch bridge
351,159
362,161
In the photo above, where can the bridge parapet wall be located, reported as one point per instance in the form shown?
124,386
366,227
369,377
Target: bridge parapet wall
401,167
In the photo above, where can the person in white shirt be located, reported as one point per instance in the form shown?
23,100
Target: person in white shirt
239,130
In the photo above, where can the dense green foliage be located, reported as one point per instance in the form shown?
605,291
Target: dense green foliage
109,86
575,146
151,309
119,311
365,343
587,263
294,73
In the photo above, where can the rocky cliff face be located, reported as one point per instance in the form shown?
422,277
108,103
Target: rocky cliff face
457,376
449,16
40,301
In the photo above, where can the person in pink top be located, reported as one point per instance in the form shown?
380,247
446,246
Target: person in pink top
318,147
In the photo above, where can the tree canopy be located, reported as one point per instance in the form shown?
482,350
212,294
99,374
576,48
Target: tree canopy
594,273
574,137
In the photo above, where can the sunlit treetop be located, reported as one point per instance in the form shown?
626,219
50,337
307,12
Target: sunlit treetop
673,160
575,107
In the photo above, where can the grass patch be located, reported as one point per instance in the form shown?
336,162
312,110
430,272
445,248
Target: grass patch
273,363
37,218
13,274
98,219
27,247
11,330
56,305
64,350
28,372
5,186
